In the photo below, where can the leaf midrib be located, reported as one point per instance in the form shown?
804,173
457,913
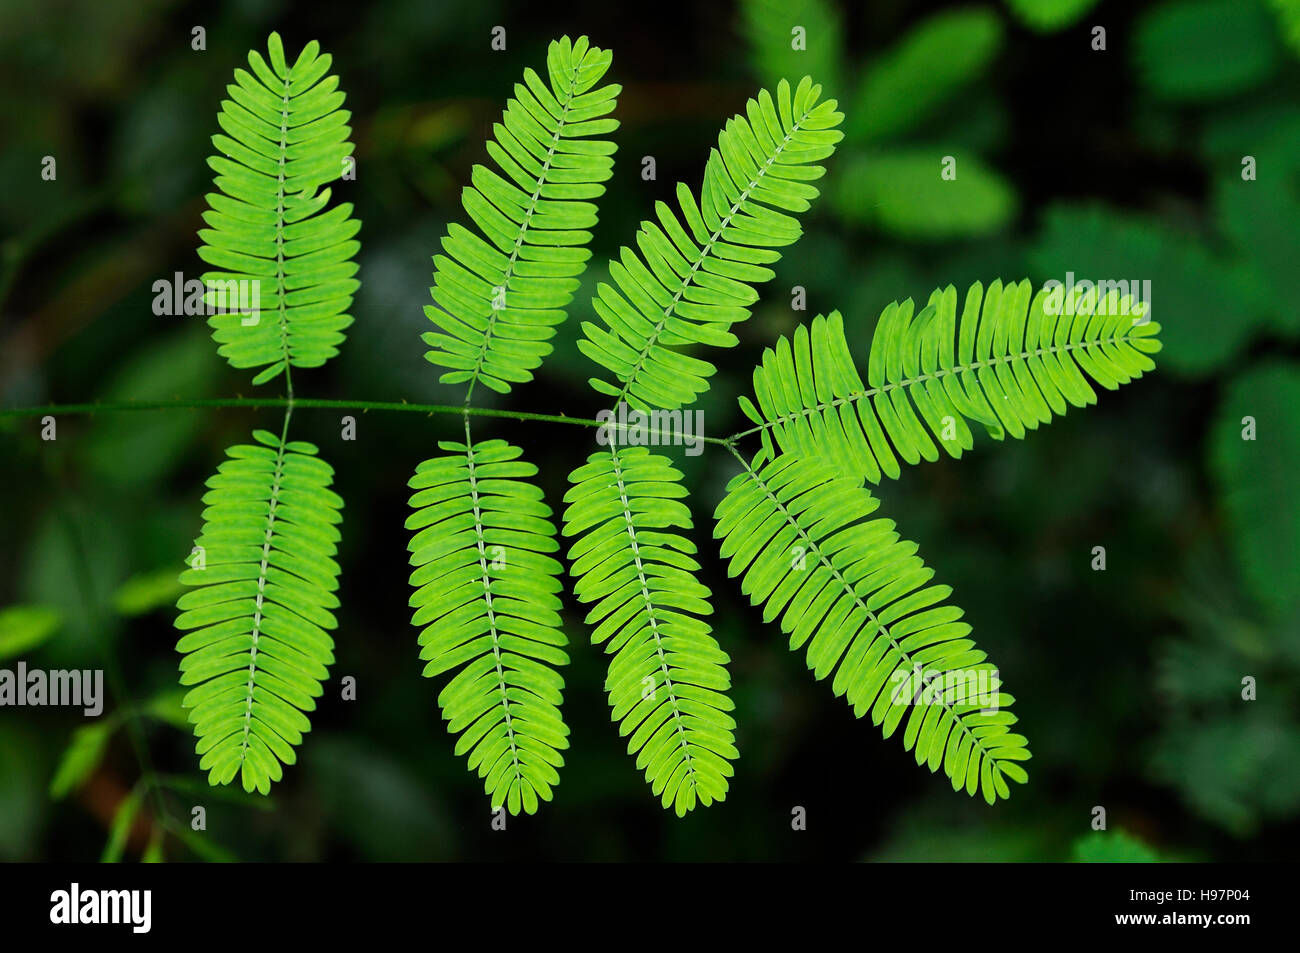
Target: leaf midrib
650,614
491,613
267,537
279,237
523,232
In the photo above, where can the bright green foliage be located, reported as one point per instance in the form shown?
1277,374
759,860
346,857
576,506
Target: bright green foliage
690,283
933,61
23,628
1254,456
666,679
486,599
285,136
904,193
858,597
1199,50
1048,16
500,300
257,620
691,280
1005,362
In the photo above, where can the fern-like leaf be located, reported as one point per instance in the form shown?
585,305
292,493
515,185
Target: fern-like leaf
1007,363
688,284
499,300
486,601
257,622
284,136
858,597
667,680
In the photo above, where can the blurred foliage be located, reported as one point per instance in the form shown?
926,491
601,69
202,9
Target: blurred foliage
1050,15
1124,163
1235,762
902,193
23,628
926,68
901,93
1198,50
1288,15
82,756
1113,847
147,591
1255,458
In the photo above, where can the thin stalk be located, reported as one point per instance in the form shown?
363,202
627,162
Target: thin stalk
107,407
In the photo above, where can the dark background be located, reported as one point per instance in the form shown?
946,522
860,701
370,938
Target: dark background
1116,163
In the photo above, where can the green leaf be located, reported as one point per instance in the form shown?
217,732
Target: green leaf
1112,847
1010,361
259,611
23,628
120,828
284,138
81,757
146,591
153,852
667,683
770,25
1048,16
487,604
168,706
904,193
1201,50
500,295
1256,478
923,71
1263,218
1288,22
857,597
693,277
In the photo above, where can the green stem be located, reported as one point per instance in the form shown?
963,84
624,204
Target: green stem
310,402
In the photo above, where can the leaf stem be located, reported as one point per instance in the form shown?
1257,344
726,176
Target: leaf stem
106,407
